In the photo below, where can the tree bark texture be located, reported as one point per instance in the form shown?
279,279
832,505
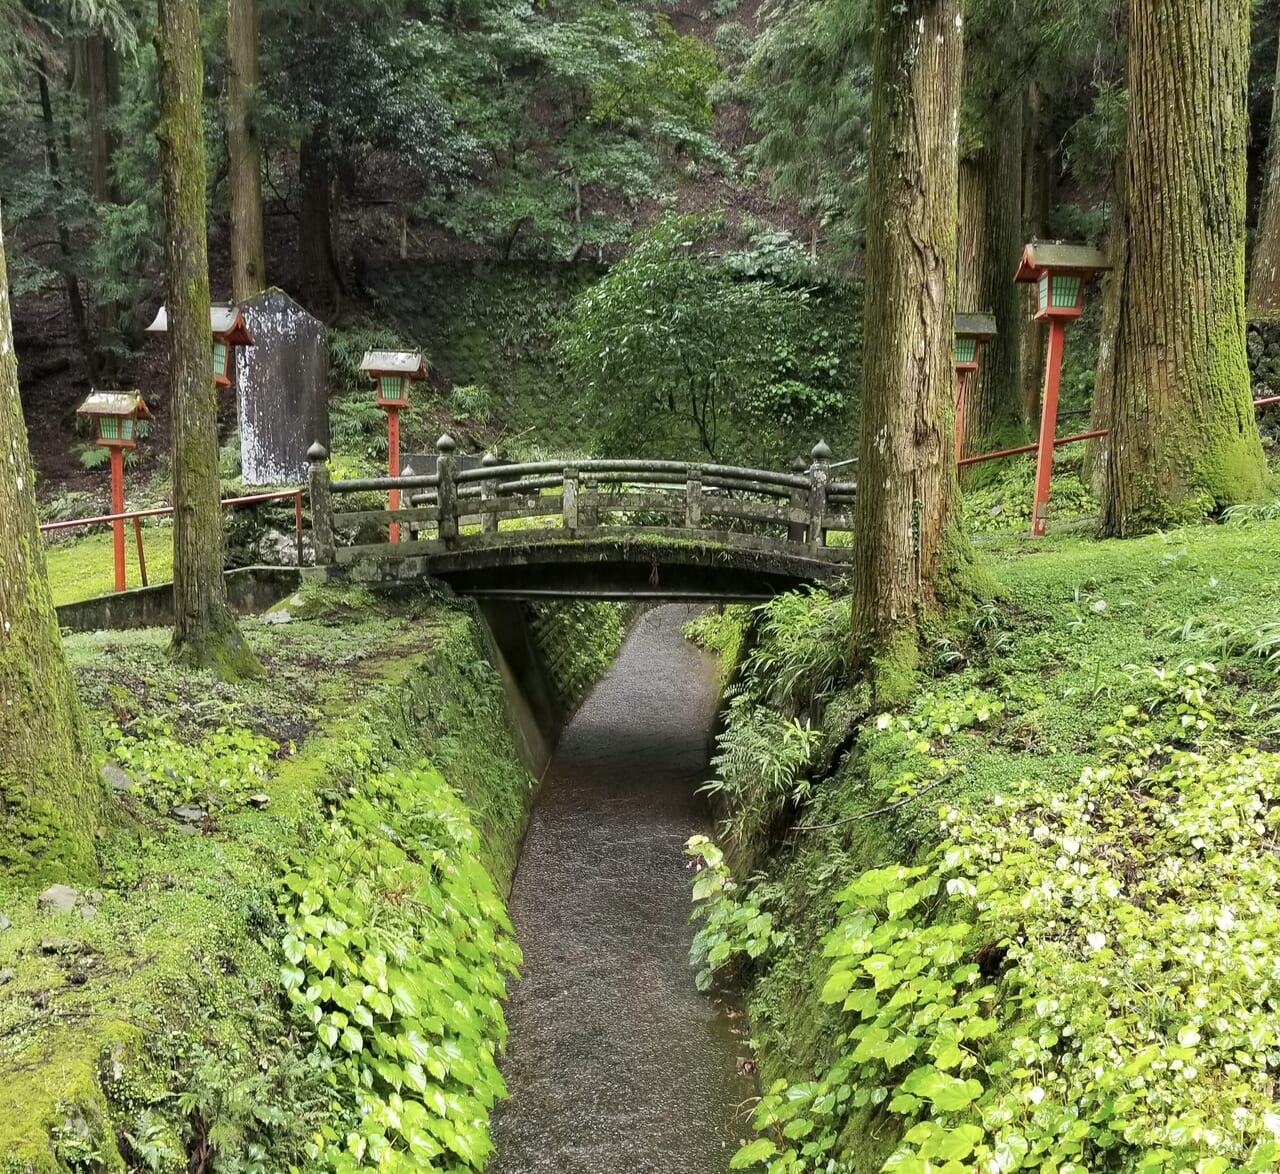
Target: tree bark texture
70,278
205,632
1264,277
50,797
1037,199
320,279
909,549
989,246
1173,373
248,256
97,77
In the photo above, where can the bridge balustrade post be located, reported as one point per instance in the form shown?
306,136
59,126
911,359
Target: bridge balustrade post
693,500
799,501
321,505
819,478
589,504
570,508
447,492
489,497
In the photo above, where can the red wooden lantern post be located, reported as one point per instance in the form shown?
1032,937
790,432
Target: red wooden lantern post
228,328
973,332
116,415
1060,273
393,372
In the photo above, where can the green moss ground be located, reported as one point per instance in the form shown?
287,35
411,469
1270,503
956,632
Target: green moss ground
1072,638
174,985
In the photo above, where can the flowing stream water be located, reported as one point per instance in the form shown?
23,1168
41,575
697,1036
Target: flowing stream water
615,1063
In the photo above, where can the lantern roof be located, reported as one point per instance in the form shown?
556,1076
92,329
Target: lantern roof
225,323
407,363
115,403
1061,258
979,326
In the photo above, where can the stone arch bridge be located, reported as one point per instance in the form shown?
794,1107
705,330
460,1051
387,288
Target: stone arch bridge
596,529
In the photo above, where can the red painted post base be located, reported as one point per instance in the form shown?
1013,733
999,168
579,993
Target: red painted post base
960,382
393,463
117,508
1048,426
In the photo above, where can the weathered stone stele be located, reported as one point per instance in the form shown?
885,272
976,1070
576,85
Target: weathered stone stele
281,382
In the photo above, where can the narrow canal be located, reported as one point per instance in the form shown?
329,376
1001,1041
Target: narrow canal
615,1063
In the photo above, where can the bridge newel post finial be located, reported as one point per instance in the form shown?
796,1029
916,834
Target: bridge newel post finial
447,491
819,478
321,504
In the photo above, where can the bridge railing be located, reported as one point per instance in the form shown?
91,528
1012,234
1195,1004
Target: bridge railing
513,504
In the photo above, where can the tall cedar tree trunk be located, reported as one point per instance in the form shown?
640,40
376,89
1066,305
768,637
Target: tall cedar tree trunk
909,552
988,248
322,286
50,797
1173,374
248,258
97,76
1264,279
205,631
70,279
1037,199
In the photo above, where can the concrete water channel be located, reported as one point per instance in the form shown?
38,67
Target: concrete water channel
615,1063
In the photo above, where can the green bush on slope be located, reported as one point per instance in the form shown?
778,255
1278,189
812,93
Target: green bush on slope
1072,968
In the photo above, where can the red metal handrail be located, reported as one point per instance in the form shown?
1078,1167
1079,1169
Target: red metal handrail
136,517
1022,448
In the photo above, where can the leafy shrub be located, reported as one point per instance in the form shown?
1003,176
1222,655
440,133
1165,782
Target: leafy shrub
225,766
396,956
803,649
761,762
735,929
1074,982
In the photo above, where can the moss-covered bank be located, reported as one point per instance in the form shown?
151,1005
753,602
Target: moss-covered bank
1074,738
147,1027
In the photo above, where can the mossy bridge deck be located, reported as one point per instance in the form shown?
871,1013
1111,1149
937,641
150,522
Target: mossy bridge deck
599,529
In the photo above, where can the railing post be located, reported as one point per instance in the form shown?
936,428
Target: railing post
589,506
799,501
819,476
489,497
447,493
321,505
693,499
571,500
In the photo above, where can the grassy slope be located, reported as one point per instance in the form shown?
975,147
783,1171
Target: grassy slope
81,568
164,989
1063,665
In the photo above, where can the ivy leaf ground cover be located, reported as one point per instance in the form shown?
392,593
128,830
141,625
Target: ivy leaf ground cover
1075,982
396,958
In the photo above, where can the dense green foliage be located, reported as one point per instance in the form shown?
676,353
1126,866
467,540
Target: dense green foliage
579,639
396,955
157,1028
1050,988
673,342
1026,919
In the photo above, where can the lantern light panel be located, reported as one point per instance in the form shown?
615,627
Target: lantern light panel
972,332
228,327
394,372
116,415
1060,273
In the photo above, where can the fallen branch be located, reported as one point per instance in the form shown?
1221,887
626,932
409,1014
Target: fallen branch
822,827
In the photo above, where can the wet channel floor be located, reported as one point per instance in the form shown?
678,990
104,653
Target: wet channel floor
615,1063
